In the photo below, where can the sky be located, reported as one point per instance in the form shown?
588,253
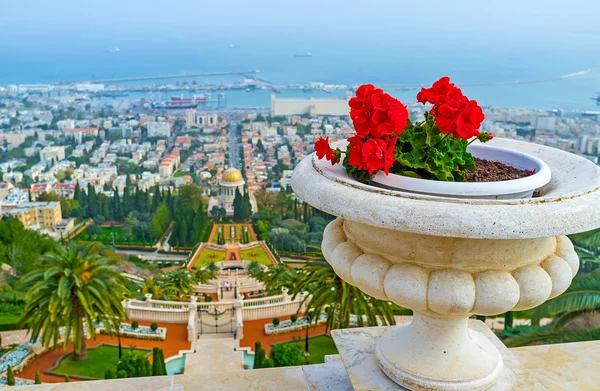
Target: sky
380,40
42,22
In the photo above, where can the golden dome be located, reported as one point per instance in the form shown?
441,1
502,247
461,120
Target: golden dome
232,175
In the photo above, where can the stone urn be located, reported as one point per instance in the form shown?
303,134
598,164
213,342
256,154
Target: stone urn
448,258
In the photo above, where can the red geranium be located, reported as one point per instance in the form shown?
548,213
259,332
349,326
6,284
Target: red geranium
325,151
373,154
377,114
437,93
454,113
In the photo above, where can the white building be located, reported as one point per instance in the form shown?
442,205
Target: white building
159,129
311,106
56,153
546,123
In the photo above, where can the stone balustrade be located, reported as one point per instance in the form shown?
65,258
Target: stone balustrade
151,310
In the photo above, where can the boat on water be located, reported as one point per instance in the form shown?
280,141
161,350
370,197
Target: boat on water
196,98
327,90
174,105
309,54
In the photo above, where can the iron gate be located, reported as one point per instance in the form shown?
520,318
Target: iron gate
213,321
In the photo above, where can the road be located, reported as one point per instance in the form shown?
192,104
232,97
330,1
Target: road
153,255
234,148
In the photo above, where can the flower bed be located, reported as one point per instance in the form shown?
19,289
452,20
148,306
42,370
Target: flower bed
15,357
18,382
142,332
287,326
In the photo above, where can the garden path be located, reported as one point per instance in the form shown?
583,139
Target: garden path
214,353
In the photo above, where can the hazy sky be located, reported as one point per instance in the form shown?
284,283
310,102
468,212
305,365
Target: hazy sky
43,21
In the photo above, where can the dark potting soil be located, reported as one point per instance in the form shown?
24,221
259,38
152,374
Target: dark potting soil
491,171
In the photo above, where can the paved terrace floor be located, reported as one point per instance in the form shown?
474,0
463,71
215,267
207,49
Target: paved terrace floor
176,341
214,353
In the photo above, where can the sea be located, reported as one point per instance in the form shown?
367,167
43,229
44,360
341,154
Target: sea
341,63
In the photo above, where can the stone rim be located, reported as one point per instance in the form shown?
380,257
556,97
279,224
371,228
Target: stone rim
571,201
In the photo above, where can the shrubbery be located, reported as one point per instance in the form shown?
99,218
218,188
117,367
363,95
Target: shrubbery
285,355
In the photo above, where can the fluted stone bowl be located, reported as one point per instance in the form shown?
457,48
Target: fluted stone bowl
447,258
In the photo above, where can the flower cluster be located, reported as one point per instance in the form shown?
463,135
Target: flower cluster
377,114
454,113
435,148
372,154
378,120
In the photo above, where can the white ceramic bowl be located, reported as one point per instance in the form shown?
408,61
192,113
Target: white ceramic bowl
510,189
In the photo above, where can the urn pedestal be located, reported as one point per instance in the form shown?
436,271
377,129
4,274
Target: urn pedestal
448,258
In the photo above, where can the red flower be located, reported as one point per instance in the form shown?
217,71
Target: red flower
377,114
373,154
437,93
454,113
325,151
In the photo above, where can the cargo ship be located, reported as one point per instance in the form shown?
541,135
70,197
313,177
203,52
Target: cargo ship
196,98
190,104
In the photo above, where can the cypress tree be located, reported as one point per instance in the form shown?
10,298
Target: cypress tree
38,378
116,206
155,362
10,376
163,364
183,233
259,355
155,198
67,379
238,213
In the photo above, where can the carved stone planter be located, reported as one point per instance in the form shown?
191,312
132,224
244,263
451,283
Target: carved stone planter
448,258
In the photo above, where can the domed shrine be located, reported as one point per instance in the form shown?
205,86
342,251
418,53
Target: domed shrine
231,180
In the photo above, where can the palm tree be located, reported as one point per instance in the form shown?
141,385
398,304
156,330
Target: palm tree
278,277
203,276
212,268
71,286
582,297
179,282
255,270
339,300
152,287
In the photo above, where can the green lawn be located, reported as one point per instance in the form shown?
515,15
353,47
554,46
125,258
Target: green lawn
9,321
105,236
226,229
318,347
99,360
209,255
180,173
256,254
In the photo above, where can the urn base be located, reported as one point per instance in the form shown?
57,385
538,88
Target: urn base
438,354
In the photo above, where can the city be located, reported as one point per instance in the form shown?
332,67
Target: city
323,199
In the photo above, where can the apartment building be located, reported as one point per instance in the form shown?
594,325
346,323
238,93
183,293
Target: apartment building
36,215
